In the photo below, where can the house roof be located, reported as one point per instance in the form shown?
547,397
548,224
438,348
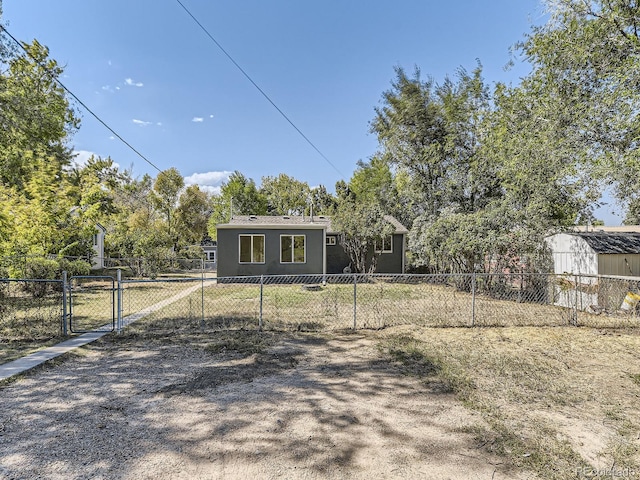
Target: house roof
296,221
611,242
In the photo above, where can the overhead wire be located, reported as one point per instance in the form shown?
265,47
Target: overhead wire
264,94
73,95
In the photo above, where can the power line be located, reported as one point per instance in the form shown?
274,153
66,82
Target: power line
258,88
57,80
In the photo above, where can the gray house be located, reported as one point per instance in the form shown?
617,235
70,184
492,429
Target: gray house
296,245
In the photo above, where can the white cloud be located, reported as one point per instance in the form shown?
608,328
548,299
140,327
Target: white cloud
81,157
197,119
131,83
210,116
208,181
107,88
142,123
117,88
159,124
112,137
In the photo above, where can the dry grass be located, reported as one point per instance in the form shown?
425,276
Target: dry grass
378,305
560,401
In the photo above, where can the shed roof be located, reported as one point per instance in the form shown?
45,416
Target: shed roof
296,221
611,242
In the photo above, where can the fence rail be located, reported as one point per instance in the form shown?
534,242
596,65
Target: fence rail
39,308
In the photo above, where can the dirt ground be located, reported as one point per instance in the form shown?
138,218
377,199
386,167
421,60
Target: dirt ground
307,407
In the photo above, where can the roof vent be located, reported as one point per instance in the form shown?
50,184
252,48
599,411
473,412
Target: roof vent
252,217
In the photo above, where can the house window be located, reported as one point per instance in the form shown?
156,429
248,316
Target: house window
292,249
251,248
331,240
95,240
384,244
211,256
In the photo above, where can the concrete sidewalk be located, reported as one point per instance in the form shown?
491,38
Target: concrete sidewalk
23,364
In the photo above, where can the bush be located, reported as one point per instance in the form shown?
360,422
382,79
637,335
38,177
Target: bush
73,267
39,269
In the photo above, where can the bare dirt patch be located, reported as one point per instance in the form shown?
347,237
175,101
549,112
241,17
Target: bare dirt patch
561,401
297,406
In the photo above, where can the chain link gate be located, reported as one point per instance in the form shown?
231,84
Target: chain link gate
92,304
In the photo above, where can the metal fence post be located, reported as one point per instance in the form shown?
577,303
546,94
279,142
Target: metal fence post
355,297
473,299
575,306
261,299
64,303
202,292
119,296
581,298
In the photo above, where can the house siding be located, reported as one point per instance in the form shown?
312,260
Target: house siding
337,259
392,262
229,254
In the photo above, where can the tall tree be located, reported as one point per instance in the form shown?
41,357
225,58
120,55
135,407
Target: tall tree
166,191
434,135
239,194
434,132
192,215
586,69
285,195
323,202
36,120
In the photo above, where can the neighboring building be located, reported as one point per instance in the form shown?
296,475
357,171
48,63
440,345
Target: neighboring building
210,249
583,256
596,253
295,245
97,261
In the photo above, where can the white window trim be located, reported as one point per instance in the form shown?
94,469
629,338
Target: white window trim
390,250
264,247
293,262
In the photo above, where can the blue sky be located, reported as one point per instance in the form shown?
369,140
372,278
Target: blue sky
152,75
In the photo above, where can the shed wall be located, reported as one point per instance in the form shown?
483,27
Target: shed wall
625,264
571,254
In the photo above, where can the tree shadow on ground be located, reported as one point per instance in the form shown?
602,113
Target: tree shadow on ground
297,405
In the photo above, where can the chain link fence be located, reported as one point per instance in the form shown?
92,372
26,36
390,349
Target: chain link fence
30,310
157,266
37,309
333,302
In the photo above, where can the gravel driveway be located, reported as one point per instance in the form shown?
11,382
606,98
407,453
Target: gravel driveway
309,407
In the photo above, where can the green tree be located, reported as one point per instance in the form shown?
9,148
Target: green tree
323,202
586,72
192,215
36,119
360,225
239,194
285,195
434,133
166,191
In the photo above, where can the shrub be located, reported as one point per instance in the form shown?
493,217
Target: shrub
40,269
73,267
